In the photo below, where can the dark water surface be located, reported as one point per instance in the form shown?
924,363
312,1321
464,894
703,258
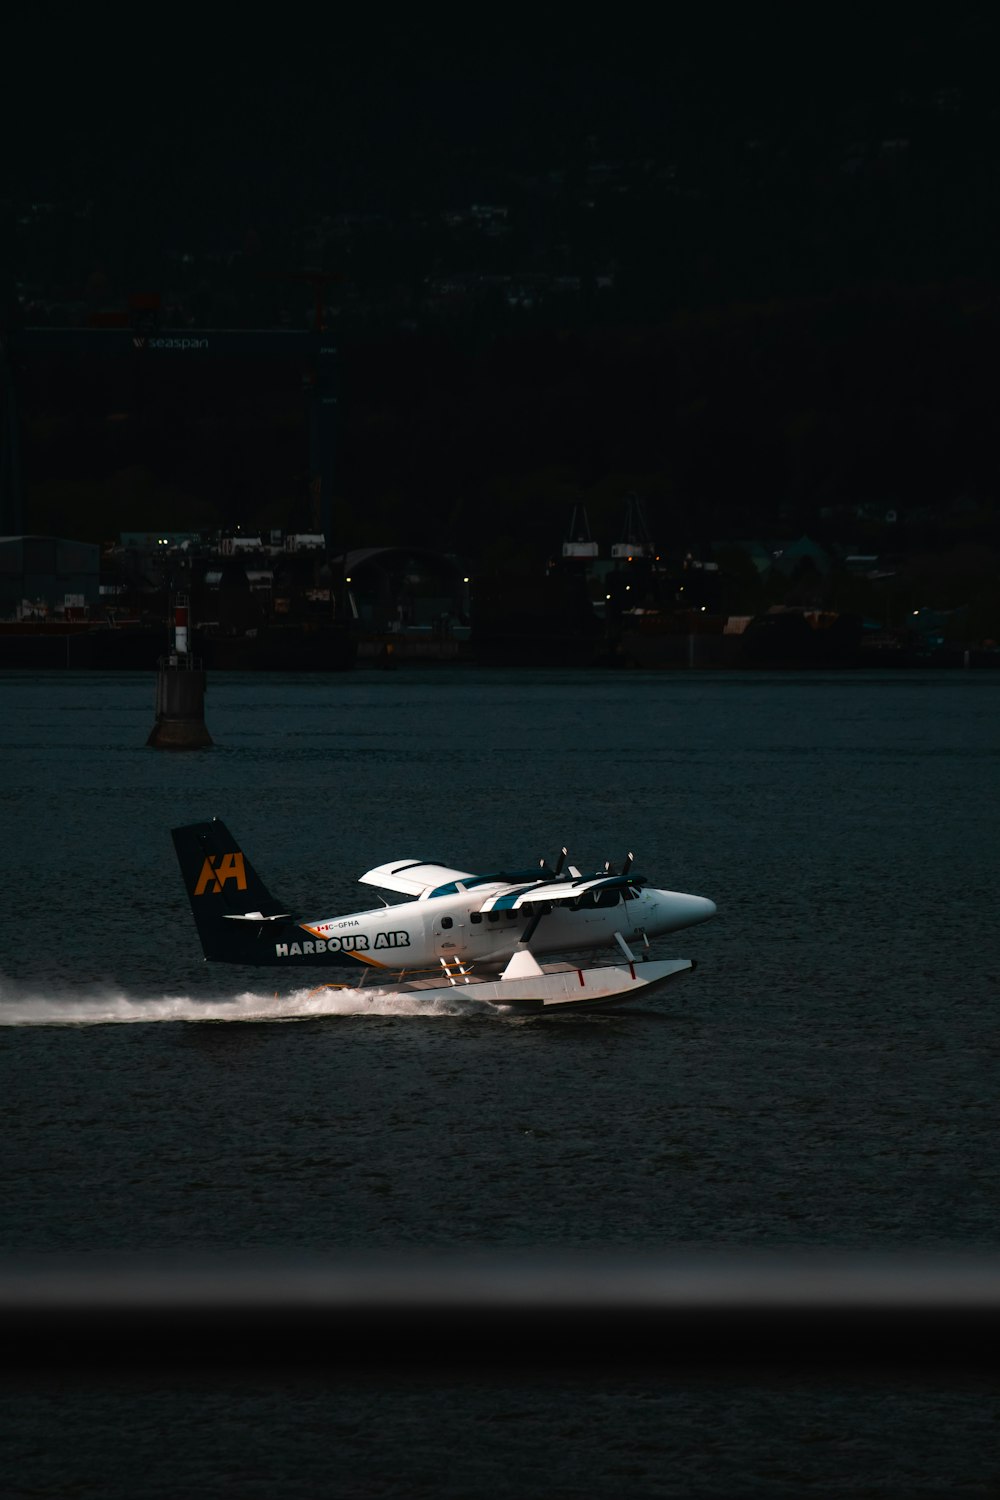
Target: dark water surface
828,1077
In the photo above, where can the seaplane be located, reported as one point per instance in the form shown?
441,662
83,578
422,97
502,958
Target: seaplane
494,934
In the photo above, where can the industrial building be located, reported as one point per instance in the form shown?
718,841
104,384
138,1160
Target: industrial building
43,576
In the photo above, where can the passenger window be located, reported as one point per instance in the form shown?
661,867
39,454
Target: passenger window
493,916
446,922
475,916
607,898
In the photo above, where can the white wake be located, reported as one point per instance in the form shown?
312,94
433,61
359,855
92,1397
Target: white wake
117,1009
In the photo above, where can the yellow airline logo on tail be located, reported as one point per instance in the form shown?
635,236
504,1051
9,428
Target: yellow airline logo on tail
214,876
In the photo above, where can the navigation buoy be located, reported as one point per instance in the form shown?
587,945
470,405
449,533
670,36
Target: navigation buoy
180,695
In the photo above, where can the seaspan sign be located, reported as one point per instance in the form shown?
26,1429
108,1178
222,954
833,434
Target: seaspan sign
142,341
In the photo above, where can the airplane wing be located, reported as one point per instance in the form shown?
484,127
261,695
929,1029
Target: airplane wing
553,891
413,877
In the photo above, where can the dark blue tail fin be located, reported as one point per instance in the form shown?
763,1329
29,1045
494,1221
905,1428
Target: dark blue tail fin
236,915
238,920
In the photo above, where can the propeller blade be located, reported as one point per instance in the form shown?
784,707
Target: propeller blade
628,862
547,871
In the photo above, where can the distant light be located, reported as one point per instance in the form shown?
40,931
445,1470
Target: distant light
348,578
607,596
703,608
465,580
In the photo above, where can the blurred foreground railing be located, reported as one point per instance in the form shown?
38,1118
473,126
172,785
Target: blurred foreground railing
528,1313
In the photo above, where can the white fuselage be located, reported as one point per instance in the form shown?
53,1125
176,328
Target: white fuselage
422,933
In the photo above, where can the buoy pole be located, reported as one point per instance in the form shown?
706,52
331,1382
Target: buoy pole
180,693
